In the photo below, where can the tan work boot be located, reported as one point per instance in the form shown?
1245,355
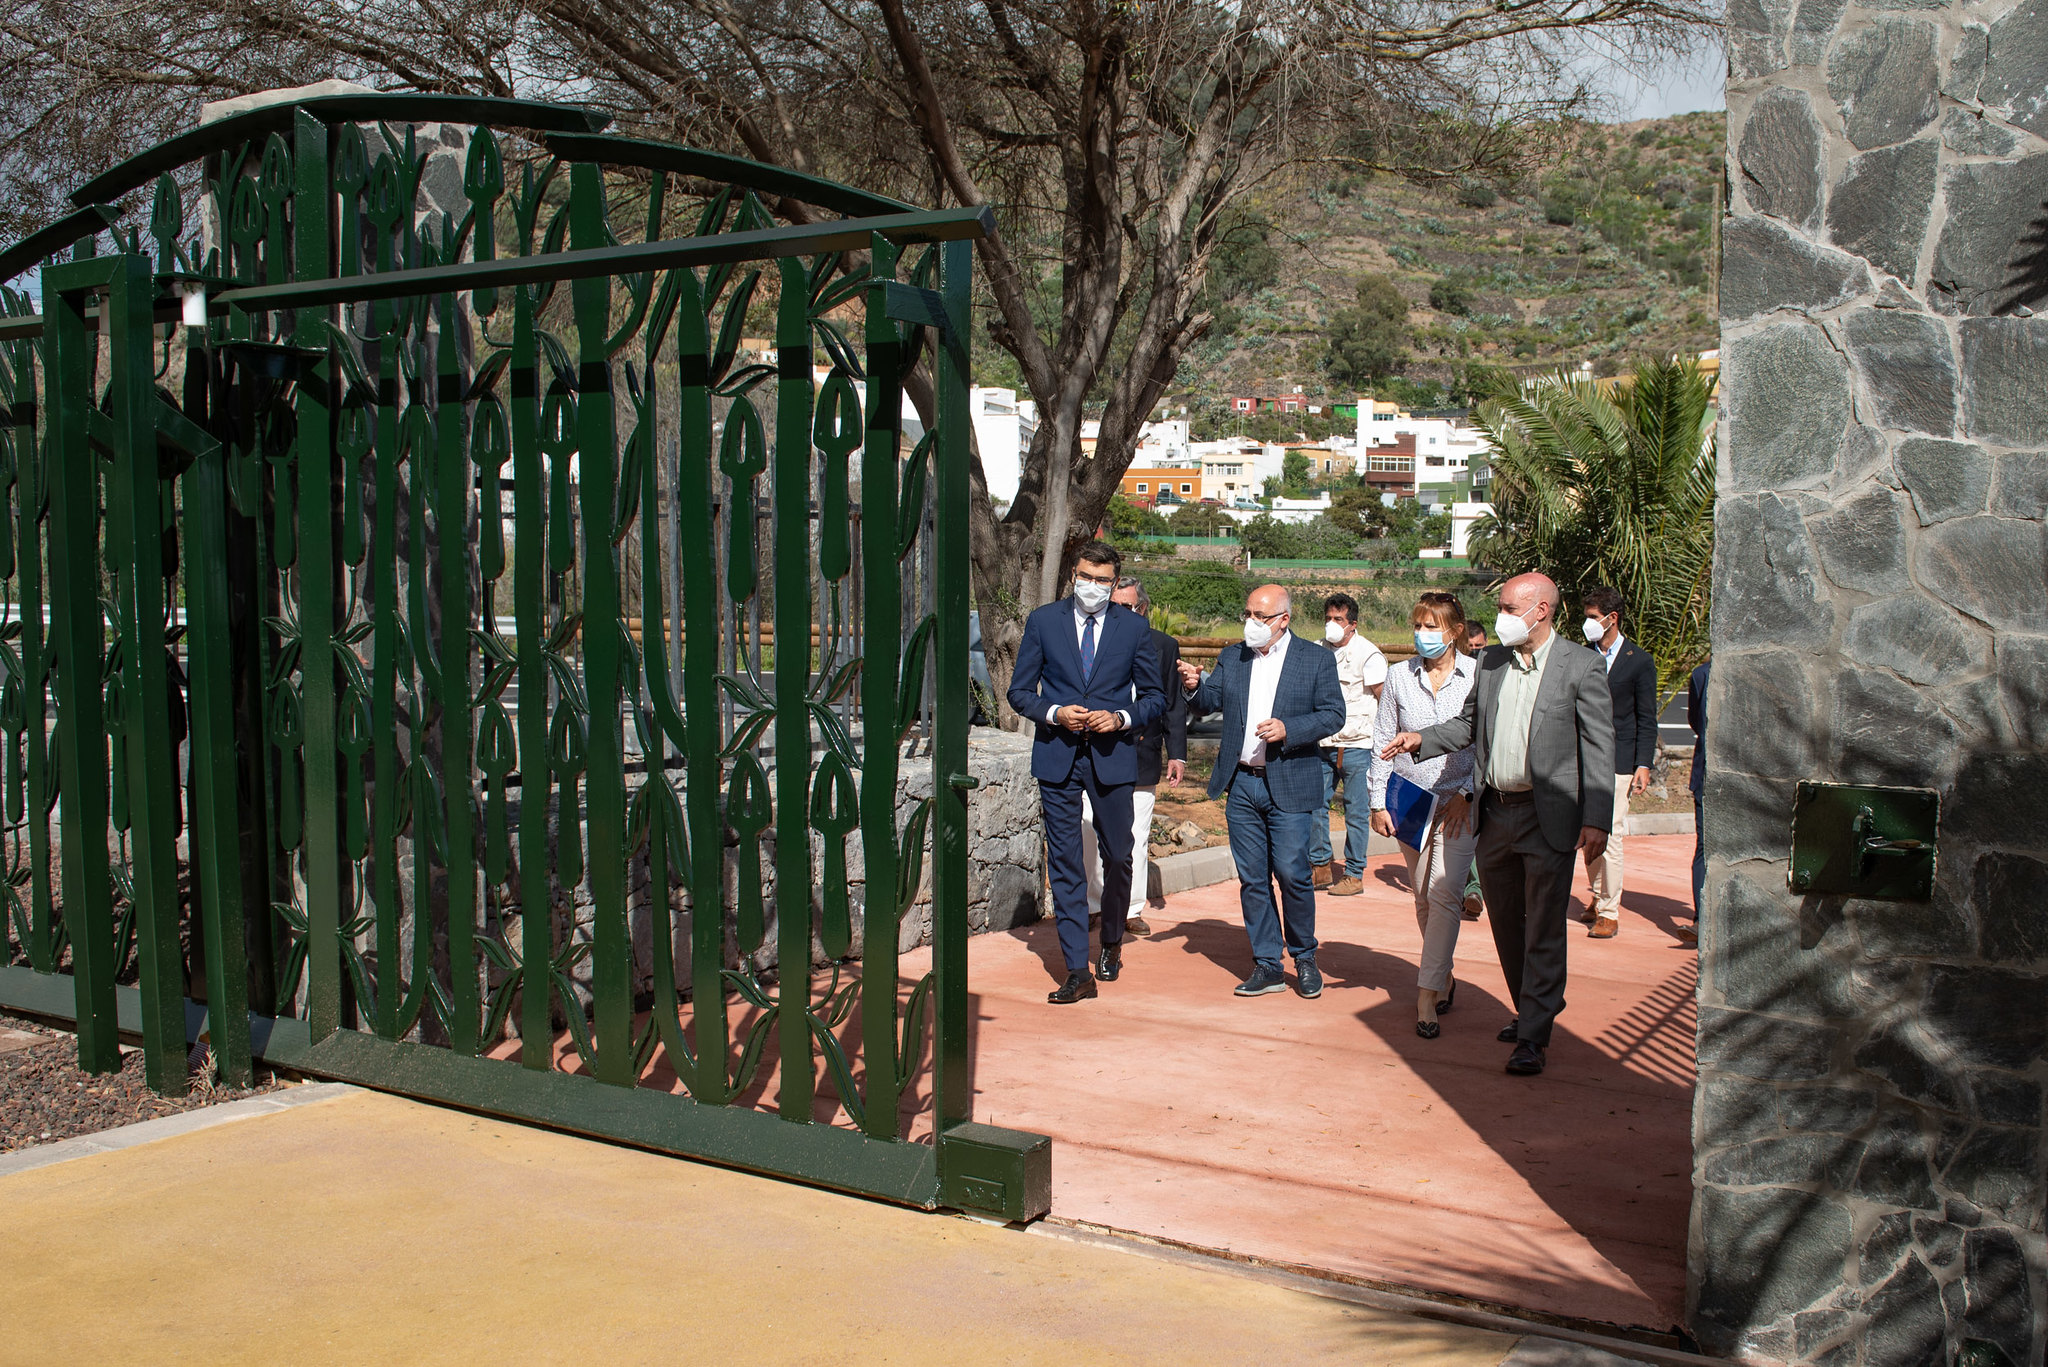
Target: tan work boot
1347,886
1323,876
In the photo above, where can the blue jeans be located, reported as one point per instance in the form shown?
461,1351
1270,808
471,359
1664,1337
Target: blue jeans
1269,844
1699,854
1357,780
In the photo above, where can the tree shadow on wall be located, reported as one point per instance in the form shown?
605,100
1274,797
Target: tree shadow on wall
2026,279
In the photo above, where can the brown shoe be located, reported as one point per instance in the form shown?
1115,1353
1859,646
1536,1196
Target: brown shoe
1135,925
1604,928
1473,906
1586,917
1347,886
1322,876
1687,934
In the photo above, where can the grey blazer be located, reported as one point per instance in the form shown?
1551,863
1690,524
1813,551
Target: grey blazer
1571,739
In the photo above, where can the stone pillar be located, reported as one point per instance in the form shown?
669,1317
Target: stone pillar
1869,1128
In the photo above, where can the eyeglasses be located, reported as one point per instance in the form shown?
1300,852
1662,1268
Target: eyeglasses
1106,580
1266,617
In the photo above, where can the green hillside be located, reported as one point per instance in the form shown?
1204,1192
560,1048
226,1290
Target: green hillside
1601,252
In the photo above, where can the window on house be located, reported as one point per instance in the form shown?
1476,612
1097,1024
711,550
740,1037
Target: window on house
1141,488
1187,488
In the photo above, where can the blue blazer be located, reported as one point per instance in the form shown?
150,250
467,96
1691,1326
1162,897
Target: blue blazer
1308,701
1125,679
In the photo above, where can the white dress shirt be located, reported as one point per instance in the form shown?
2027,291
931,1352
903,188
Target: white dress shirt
1610,649
1081,618
1259,705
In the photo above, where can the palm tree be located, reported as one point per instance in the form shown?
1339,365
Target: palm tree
1613,487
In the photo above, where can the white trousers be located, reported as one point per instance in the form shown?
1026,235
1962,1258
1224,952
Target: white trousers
1438,874
1604,874
1142,798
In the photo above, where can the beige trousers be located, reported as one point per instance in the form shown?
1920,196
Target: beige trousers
1437,873
1143,796
1604,873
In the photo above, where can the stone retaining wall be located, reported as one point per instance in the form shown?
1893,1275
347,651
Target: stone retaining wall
1870,1161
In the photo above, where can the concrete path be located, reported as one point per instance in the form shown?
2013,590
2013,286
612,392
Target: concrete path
366,1228
1326,1134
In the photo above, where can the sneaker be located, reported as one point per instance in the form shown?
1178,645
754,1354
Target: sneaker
1347,886
1135,925
1265,978
1308,979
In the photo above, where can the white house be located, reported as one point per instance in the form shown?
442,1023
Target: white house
1003,428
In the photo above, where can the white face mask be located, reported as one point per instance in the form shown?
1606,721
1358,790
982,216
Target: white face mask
1333,632
1257,634
1594,633
1091,595
1510,630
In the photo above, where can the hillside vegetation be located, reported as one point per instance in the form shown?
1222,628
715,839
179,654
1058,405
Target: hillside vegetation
1602,252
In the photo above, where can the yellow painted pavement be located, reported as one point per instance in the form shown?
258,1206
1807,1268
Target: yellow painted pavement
368,1229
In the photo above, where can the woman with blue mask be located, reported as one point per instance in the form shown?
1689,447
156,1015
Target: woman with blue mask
1421,692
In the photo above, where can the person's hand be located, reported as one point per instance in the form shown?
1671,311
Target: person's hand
1190,676
1073,716
1592,841
1176,772
1404,743
1104,722
1640,784
1337,757
1272,730
1383,823
1457,811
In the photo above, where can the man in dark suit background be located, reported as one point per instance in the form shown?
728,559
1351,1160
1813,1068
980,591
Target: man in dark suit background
1632,682
1088,675
1279,697
1162,753
1696,718
1543,722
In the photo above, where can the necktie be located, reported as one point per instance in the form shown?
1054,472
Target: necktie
1088,650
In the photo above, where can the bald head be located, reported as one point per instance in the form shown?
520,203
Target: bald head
1533,598
1267,599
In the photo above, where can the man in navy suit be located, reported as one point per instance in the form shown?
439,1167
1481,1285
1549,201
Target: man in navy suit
1278,700
1088,675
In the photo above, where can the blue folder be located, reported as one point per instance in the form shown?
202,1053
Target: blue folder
1411,806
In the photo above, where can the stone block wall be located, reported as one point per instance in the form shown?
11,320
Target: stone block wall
1870,1164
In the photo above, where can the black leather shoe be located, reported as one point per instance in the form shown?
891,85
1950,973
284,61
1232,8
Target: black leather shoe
1428,1029
1110,963
1449,1000
1262,981
1526,1061
1507,1033
1308,979
1079,986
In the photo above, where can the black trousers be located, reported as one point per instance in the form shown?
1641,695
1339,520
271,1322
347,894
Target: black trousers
1528,888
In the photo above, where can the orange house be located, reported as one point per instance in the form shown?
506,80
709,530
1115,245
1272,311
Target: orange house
1146,485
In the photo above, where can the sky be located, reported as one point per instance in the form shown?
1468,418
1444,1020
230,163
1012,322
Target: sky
1681,85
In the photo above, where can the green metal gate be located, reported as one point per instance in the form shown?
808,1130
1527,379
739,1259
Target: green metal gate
479,625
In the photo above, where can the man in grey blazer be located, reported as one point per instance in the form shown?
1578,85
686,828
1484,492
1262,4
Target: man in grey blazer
1278,697
1543,721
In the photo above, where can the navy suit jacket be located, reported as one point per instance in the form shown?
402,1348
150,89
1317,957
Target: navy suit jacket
1125,679
1308,701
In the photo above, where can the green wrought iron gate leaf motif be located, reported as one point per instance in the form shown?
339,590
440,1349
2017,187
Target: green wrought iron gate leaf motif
482,575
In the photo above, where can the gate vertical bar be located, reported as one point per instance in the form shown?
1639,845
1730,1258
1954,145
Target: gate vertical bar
452,543
605,785
32,482
952,1085
73,472
703,776
792,583
881,638
311,260
136,525
529,608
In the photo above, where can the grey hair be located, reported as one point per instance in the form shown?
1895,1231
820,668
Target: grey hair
1130,581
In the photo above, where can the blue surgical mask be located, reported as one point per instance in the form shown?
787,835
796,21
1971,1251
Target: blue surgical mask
1430,644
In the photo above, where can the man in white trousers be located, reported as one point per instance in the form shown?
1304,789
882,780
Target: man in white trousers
1162,751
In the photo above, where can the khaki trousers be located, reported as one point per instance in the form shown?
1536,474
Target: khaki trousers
1604,873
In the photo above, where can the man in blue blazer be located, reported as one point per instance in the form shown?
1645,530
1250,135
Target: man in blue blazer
1088,675
1278,698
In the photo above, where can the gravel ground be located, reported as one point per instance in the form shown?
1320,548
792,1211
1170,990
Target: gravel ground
44,1098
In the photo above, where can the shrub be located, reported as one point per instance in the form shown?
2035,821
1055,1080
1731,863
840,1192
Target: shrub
1477,194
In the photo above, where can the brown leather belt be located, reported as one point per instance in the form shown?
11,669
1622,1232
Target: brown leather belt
1521,799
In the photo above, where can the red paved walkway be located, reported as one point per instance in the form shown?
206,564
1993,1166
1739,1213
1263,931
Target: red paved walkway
1326,1133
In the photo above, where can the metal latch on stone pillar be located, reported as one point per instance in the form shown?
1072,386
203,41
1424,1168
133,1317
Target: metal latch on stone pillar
1858,841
